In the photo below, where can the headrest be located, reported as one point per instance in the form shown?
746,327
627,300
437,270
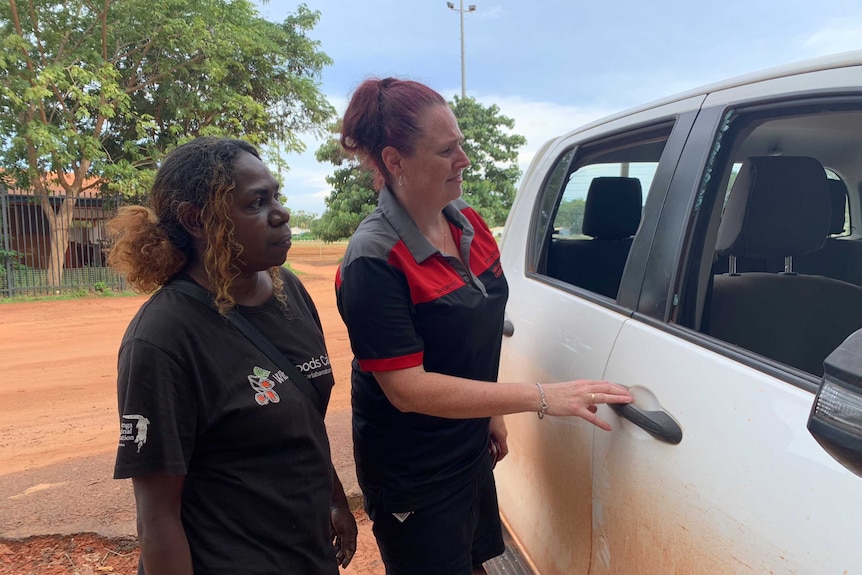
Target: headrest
779,206
839,202
613,208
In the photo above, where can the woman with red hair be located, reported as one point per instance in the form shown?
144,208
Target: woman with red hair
422,293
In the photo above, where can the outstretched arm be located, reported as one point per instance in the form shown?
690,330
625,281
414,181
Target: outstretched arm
416,390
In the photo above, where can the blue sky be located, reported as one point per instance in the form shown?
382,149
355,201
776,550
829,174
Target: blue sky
552,65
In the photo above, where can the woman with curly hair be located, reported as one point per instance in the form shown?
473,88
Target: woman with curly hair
229,459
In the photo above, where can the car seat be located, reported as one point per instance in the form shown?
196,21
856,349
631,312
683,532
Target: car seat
779,207
612,214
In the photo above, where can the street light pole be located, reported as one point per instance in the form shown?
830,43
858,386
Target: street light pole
461,10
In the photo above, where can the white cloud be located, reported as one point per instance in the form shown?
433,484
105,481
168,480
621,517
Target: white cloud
539,122
306,188
305,185
838,37
646,54
492,13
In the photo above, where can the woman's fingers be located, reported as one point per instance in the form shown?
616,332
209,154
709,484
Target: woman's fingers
608,398
606,392
597,421
607,388
618,390
581,398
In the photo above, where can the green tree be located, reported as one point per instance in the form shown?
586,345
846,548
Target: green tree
570,215
93,93
489,183
302,219
352,197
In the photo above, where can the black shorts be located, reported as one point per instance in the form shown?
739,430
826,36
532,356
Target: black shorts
448,538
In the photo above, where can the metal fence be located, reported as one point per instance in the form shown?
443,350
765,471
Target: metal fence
26,237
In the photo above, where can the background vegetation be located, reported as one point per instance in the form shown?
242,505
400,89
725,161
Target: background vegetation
94,92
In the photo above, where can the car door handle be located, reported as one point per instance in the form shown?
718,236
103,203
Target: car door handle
659,424
508,328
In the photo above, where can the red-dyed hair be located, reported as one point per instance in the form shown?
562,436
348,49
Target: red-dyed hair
385,113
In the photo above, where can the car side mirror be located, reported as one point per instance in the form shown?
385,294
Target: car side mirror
835,420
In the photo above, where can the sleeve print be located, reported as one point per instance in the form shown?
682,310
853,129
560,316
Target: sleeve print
158,412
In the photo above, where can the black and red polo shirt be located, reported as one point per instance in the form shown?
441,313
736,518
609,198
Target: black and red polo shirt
406,304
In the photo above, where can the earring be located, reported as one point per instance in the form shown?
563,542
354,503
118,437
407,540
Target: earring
399,181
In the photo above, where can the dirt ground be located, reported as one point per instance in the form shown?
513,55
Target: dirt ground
58,419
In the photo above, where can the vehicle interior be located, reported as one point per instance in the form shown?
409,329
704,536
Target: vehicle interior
599,212
781,269
776,262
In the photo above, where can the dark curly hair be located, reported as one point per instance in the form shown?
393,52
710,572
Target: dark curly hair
150,245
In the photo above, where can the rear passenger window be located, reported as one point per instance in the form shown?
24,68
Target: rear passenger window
781,272
591,209
569,221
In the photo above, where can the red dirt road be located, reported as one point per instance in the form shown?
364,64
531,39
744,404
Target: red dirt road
58,380
58,409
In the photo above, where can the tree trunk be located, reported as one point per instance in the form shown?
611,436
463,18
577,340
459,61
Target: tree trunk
59,223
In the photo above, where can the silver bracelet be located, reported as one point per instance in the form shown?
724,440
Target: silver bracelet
542,413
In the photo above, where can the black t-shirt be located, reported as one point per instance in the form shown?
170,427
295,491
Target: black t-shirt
196,398
405,304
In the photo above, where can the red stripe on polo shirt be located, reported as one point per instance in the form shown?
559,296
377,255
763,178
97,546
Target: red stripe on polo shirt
429,280
392,363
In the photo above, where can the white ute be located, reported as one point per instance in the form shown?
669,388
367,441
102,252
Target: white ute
706,252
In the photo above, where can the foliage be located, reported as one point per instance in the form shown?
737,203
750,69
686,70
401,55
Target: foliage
69,295
8,258
120,82
352,197
302,219
111,86
8,255
489,184
570,215
99,91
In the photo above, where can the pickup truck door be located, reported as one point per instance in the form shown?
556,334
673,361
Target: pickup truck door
561,332
549,462
718,473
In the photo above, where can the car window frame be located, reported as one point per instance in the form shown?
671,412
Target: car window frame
578,153
708,149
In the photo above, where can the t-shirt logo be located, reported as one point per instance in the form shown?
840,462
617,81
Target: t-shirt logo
140,430
263,386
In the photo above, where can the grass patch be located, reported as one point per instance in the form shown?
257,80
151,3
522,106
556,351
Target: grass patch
76,294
